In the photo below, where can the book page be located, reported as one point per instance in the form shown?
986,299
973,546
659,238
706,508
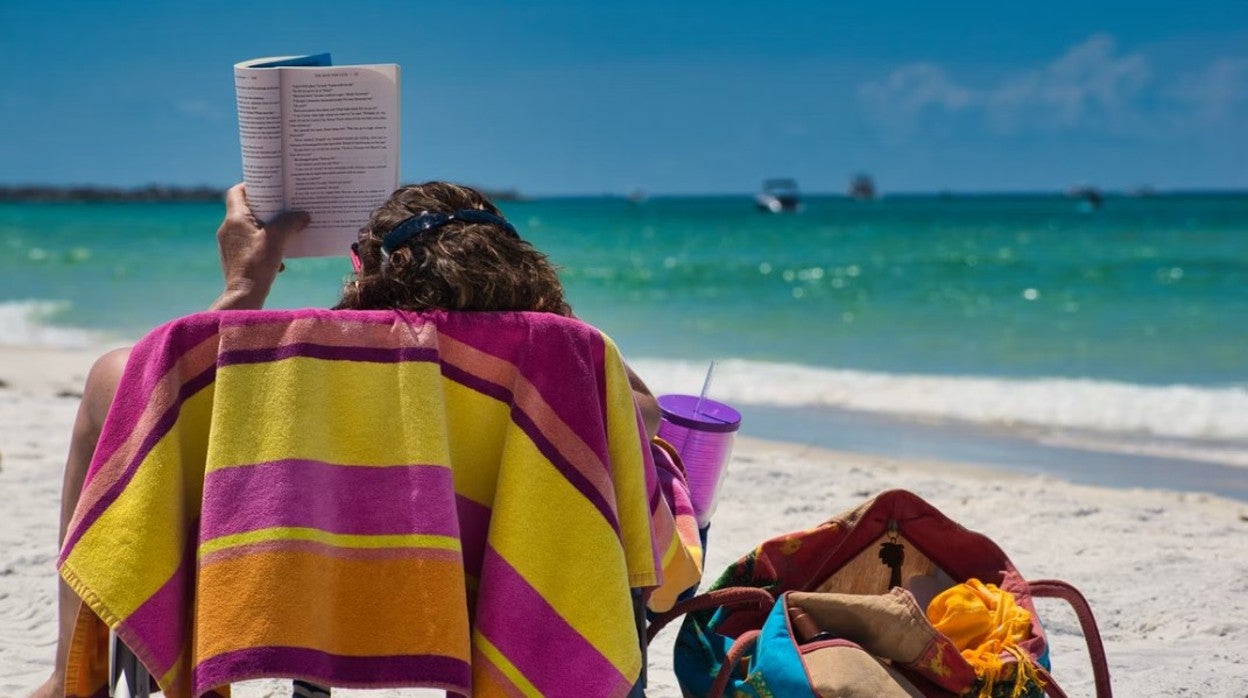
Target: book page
341,150
260,132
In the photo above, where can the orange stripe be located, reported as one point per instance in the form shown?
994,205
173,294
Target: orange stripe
334,332
380,607
328,550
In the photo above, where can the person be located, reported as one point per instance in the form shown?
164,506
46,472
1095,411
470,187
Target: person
429,246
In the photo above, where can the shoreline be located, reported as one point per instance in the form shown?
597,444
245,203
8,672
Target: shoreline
1107,461
1087,456
1165,571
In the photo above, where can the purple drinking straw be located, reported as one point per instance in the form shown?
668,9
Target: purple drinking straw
706,386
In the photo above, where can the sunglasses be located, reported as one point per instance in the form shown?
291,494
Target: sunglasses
415,225
411,227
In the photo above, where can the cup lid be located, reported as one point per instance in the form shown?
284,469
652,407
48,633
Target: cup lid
711,416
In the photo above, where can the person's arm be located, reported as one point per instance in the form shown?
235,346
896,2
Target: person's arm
645,402
251,252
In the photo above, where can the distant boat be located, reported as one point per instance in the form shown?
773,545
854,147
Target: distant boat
862,188
1090,198
778,196
637,197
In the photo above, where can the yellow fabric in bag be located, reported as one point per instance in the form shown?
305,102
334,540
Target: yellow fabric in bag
985,623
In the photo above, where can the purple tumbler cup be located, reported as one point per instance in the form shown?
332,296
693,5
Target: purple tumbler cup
702,431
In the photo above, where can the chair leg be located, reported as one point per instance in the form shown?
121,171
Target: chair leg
127,677
306,689
639,615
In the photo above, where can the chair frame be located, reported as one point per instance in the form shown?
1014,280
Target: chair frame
127,677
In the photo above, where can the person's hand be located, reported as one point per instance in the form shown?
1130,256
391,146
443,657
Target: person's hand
251,253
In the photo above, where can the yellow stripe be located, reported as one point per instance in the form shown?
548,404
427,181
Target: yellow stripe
357,413
568,525
476,426
497,659
680,571
571,533
674,546
627,471
341,540
167,487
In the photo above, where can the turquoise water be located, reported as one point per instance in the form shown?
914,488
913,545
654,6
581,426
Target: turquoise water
1130,320
1144,290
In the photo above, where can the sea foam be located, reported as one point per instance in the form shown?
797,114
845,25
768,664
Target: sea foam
1204,413
27,323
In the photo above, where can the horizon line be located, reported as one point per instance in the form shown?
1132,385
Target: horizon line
205,192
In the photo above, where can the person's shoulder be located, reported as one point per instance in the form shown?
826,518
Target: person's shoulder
101,384
110,365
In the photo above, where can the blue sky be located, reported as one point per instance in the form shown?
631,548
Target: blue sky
597,97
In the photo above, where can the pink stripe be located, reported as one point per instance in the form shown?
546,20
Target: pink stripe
88,513
154,356
538,642
474,530
595,485
155,630
363,500
165,368
396,671
329,352
527,340
244,318
270,329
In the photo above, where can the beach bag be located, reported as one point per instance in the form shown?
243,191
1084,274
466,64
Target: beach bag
842,610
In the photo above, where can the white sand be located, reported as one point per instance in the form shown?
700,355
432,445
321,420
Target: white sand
1166,572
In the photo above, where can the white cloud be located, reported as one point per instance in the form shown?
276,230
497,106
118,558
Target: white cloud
1091,86
898,102
912,88
1215,93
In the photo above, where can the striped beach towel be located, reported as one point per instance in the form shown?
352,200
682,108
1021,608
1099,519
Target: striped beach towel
374,499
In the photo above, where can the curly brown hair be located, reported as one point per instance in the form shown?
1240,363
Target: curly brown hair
459,266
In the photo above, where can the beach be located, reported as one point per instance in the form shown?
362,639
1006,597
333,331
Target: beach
997,262
1166,572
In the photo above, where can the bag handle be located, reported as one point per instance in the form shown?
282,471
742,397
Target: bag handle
729,596
1057,589
743,644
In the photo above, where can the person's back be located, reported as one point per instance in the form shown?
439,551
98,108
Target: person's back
352,483
430,246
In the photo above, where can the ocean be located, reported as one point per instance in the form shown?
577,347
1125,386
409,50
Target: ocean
973,327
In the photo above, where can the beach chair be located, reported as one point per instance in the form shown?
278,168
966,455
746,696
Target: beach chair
127,677
516,556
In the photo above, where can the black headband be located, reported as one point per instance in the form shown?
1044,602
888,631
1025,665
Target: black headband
420,223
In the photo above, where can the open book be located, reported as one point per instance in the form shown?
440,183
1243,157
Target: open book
318,138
